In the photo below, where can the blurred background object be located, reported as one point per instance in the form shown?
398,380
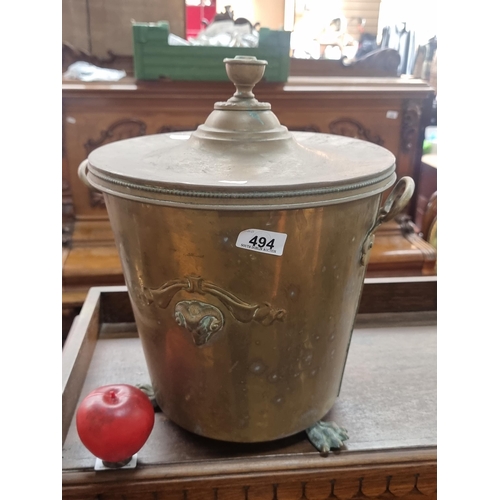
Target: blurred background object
331,30
199,14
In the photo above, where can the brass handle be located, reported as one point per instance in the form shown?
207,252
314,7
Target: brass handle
396,201
82,174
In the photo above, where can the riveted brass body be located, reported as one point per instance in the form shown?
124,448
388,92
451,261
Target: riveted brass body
245,338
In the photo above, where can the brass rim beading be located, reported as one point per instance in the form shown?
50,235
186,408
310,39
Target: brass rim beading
244,195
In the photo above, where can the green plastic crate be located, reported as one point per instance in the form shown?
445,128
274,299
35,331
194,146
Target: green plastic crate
154,58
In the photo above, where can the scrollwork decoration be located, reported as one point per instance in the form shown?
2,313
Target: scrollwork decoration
242,311
117,131
410,126
352,128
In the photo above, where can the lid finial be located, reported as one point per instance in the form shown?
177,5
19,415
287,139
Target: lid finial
245,72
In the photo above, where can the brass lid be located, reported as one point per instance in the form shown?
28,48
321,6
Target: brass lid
242,158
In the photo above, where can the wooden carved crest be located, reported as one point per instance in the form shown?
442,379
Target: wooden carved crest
352,128
411,123
117,131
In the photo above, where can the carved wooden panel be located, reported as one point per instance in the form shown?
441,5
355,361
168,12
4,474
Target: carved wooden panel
352,128
404,486
119,130
411,125
67,199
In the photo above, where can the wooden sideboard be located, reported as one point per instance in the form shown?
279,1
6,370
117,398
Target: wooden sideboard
391,112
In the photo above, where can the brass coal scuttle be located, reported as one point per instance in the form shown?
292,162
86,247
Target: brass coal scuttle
244,248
